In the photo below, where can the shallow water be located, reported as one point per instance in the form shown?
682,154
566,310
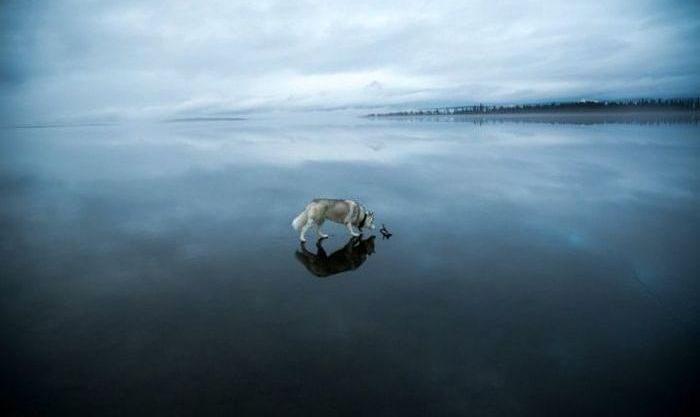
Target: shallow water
535,269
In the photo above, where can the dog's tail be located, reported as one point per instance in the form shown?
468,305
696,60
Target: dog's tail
299,221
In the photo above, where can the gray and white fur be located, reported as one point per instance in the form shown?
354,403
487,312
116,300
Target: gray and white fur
347,212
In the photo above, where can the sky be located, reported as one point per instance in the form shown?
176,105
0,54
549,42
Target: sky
67,60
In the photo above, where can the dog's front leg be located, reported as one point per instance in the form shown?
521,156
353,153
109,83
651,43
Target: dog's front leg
352,232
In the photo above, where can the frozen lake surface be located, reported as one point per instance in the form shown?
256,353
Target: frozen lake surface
535,269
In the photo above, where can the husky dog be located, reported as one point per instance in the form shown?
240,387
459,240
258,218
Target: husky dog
347,258
347,212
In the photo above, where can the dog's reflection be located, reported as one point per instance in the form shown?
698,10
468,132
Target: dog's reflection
347,258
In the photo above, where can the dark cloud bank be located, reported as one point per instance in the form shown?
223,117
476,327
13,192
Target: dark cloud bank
96,61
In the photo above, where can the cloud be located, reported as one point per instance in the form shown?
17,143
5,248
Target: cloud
67,59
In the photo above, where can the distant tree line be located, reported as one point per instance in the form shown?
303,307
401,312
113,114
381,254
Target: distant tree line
644,104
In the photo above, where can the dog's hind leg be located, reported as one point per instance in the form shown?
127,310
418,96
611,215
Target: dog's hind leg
320,234
304,228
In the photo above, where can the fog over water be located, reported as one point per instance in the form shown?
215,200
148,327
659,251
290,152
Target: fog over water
151,268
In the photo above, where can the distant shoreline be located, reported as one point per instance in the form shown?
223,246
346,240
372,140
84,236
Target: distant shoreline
587,107
204,119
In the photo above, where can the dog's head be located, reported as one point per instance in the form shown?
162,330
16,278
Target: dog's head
369,220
